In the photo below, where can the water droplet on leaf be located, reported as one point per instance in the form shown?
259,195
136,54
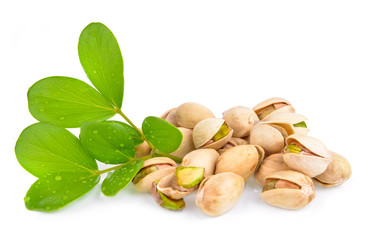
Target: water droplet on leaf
95,131
58,178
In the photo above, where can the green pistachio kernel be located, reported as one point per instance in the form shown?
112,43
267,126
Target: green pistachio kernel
222,132
170,203
144,172
269,185
300,124
189,177
293,148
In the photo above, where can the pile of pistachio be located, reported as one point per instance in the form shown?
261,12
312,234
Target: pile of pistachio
220,155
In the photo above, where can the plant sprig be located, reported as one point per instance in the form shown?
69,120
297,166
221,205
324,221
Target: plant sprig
65,165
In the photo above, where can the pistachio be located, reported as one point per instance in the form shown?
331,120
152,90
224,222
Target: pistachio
240,119
218,193
189,177
271,164
167,185
272,106
288,189
296,119
211,133
306,154
187,144
143,149
241,160
205,158
170,116
338,172
189,114
232,143
152,170
165,201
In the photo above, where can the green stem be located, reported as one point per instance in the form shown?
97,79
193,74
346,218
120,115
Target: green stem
123,164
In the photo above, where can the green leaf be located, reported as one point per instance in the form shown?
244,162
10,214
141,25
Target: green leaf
120,178
109,142
162,134
136,137
102,61
56,190
67,102
43,148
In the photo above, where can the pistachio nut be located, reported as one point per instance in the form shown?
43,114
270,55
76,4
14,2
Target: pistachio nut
271,135
205,158
288,189
189,114
272,106
211,133
143,149
167,185
218,193
232,143
170,116
338,172
240,119
271,164
188,178
296,119
187,144
241,160
165,201
152,170
306,154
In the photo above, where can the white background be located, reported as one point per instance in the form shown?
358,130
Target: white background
218,53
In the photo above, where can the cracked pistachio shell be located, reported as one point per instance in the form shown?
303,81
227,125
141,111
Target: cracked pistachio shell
241,120
205,158
204,131
312,162
241,160
289,117
272,106
296,192
232,143
170,116
165,186
189,114
187,144
270,135
271,164
166,202
218,193
338,172
168,166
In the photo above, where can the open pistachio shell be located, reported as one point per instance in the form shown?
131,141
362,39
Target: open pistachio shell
312,158
271,164
232,143
338,172
241,160
187,144
288,189
272,106
218,193
166,166
165,186
166,202
296,119
189,114
241,120
205,158
206,129
170,116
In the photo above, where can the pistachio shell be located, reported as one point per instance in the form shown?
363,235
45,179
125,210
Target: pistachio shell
145,184
338,172
232,143
268,137
204,131
270,102
166,202
271,164
187,144
290,198
143,149
289,117
170,116
241,160
240,119
311,143
165,186
189,114
205,158
218,193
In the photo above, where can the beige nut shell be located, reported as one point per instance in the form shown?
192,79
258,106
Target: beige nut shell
189,114
165,187
206,129
271,101
145,184
217,194
241,160
272,164
241,120
205,158
170,116
187,144
290,198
